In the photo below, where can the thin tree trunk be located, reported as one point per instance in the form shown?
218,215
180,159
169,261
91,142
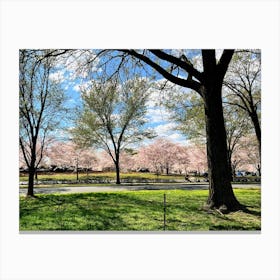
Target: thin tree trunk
229,155
31,174
117,166
256,123
220,190
118,179
77,170
259,169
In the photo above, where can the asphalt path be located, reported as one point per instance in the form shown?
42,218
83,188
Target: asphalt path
87,189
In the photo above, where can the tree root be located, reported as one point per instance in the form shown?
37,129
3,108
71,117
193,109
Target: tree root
224,209
28,196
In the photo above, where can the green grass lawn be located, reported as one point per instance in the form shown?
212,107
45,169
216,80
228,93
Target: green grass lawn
108,178
103,175
135,211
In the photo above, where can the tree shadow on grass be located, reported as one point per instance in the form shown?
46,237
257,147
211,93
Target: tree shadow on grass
113,212
99,211
45,190
233,227
123,212
252,212
102,213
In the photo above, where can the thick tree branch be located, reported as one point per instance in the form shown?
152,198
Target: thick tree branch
209,62
183,64
224,61
181,82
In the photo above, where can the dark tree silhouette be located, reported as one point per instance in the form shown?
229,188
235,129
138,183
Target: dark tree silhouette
208,84
40,103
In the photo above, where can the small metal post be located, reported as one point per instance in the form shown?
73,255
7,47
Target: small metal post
164,211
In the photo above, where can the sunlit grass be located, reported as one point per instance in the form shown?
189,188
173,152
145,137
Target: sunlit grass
102,175
135,211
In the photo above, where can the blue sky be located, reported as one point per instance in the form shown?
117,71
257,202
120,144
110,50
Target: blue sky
71,82
158,117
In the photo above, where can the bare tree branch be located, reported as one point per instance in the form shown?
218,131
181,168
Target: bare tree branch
182,82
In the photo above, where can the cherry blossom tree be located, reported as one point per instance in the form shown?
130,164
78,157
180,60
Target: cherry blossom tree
182,159
88,159
246,156
160,156
105,162
41,153
128,160
67,155
197,158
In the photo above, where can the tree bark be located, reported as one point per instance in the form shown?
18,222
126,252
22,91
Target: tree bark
259,169
221,194
77,170
256,123
31,174
117,165
209,85
231,171
118,180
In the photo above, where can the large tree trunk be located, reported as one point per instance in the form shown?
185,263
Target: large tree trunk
221,194
209,85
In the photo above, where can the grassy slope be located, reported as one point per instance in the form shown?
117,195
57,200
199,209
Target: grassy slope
135,210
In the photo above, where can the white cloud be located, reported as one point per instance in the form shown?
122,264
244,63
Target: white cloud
78,63
77,88
57,76
165,129
154,98
197,62
157,114
177,52
82,86
177,137
219,54
168,131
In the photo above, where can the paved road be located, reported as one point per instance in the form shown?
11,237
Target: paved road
82,189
